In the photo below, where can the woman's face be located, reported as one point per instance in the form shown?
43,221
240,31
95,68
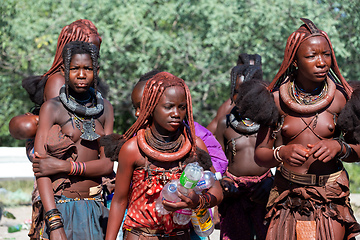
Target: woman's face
313,59
170,112
81,75
136,96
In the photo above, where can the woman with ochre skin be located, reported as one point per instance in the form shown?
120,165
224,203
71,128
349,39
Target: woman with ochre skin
158,152
310,196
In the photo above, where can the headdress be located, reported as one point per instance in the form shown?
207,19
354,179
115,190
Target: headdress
80,30
304,32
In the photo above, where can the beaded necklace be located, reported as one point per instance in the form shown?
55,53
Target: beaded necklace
305,98
240,125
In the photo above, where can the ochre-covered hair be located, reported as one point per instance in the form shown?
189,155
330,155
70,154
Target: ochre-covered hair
80,30
304,32
153,91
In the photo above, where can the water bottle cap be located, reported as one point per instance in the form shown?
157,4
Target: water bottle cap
218,175
172,188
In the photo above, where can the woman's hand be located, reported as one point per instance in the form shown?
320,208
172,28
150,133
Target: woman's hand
324,150
229,188
189,201
294,154
47,166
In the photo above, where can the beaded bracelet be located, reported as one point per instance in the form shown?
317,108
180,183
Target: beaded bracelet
77,168
53,219
277,155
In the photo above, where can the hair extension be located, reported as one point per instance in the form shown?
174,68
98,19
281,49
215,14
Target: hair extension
80,47
80,30
248,71
304,32
153,91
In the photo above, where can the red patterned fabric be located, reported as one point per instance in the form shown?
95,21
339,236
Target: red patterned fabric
145,189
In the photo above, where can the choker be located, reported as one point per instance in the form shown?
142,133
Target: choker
156,141
239,124
157,155
307,105
305,98
88,126
79,109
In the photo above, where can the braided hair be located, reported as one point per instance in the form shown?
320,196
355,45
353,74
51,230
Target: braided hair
244,68
80,30
287,68
155,87
80,47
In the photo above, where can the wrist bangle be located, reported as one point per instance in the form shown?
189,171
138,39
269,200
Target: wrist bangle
277,155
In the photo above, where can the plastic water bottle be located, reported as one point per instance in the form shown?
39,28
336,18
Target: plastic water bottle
15,228
201,220
188,180
206,181
169,193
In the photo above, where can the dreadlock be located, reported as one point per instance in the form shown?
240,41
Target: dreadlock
80,47
153,91
304,32
244,68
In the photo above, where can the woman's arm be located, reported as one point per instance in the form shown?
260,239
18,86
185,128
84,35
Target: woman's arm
127,158
47,116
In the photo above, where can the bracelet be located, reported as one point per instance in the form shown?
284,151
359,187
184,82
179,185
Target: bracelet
53,219
347,147
277,155
201,203
77,168
342,147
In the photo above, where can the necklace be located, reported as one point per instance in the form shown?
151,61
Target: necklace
79,109
87,129
82,102
240,125
88,126
156,140
305,98
286,96
161,156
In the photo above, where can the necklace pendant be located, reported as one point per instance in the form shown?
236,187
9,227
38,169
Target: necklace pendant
89,133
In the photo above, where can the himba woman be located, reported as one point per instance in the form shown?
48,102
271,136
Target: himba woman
310,197
159,145
68,160
47,86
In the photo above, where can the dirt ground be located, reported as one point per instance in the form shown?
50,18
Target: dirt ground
23,214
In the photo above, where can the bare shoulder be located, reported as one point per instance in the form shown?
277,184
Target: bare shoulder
53,85
130,153
225,108
200,143
339,101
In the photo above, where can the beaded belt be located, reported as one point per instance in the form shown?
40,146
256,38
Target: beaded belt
156,233
78,199
309,179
